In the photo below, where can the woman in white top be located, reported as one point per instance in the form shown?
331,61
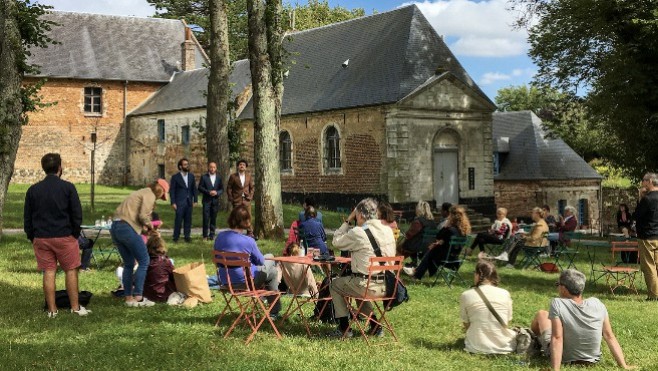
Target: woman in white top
484,334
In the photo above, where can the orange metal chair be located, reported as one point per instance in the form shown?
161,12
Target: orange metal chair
617,275
376,271
246,297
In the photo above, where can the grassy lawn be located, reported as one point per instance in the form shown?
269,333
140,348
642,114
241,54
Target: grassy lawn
164,337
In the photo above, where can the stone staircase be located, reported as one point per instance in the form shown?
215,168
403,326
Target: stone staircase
479,223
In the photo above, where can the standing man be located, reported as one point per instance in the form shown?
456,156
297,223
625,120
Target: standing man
240,187
211,187
646,216
52,218
183,195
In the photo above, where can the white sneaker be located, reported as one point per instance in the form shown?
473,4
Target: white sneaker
52,314
543,255
509,266
81,312
502,256
483,255
409,271
143,303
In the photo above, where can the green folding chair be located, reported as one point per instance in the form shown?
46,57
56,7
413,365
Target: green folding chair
449,267
567,250
532,254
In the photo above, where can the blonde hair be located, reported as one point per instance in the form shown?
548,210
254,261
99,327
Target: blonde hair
424,209
541,212
459,220
294,249
156,245
502,210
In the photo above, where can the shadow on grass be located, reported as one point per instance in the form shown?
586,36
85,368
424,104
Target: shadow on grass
432,345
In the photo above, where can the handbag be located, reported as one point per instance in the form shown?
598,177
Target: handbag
393,284
191,280
525,338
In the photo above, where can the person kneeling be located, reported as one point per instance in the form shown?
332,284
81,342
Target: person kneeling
570,332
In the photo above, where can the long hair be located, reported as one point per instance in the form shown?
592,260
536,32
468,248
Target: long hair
459,220
486,271
156,245
386,212
424,209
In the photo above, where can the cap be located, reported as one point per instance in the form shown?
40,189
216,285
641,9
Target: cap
165,186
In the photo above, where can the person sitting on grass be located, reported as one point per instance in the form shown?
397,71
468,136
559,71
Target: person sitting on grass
570,332
234,239
500,230
484,334
536,238
458,225
159,283
313,231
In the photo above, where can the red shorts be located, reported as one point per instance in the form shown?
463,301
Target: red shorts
50,251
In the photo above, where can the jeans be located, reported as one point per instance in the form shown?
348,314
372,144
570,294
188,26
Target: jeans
267,276
210,209
131,247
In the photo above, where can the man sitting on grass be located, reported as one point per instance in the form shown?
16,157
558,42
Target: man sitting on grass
570,332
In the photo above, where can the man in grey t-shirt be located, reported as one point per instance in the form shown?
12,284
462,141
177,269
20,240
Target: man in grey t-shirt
571,331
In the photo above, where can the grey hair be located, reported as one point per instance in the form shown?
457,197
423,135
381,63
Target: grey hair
652,177
571,208
573,281
367,208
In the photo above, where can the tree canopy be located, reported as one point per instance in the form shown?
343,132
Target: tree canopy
608,50
314,13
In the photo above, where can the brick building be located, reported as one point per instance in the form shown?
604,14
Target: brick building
374,106
531,170
103,67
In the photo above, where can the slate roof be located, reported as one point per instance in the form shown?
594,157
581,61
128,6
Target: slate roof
186,90
390,54
107,47
533,157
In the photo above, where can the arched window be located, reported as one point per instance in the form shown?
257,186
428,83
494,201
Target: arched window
332,148
285,151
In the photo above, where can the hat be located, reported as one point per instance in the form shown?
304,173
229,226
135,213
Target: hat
165,186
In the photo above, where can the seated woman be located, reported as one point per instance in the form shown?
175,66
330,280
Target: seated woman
387,217
567,223
313,231
484,334
535,238
500,230
159,283
457,225
413,242
234,239
296,273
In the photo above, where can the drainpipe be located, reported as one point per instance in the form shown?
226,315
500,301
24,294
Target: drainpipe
126,135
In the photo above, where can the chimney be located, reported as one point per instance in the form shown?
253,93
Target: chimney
188,51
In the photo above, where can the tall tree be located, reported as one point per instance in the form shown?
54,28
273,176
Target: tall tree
217,145
266,65
607,47
20,29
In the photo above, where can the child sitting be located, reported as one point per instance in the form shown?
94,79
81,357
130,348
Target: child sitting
298,276
159,283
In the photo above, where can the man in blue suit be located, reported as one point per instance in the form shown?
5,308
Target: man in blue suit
210,186
183,195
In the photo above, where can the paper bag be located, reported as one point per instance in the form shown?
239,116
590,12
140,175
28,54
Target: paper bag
191,280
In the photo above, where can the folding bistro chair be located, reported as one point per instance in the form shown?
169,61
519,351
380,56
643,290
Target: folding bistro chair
618,275
429,236
449,267
567,249
532,254
224,289
376,272
496,249
247,297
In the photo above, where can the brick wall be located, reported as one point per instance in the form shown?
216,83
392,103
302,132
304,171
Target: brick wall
65,128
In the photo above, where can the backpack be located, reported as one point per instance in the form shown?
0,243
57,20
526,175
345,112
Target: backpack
326,315
62,299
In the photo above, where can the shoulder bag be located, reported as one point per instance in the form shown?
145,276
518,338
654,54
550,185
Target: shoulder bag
393,284
525,338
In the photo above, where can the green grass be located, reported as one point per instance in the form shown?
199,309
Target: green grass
164,337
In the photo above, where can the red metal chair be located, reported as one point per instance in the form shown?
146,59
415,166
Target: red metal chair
376,272
246,296
617,275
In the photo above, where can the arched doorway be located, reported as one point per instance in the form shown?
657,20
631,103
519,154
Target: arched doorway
446,167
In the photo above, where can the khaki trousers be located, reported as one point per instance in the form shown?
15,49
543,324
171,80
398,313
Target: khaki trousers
649,263
353,286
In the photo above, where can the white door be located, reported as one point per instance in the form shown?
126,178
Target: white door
446,185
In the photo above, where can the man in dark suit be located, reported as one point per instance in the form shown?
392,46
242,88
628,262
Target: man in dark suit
240,189
210,186
183,195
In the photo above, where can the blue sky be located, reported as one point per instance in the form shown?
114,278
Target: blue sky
477,31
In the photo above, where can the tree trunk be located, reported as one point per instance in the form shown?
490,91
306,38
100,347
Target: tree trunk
217,147
11,118
266,76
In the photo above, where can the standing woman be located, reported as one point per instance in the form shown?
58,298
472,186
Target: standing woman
484,334
624,219
130,218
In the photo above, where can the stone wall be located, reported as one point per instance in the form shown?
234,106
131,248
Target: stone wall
519,197
147,152
65,128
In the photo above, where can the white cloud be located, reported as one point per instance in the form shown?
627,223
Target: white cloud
138,8
491,77
482,29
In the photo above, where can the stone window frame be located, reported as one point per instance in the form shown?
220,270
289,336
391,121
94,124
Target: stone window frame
162,130
324,150
93,96
185,135
282,153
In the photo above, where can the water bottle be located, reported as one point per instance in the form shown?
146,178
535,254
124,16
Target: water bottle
103,221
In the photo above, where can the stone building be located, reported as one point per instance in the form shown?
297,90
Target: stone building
375,106
531,170
103,67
